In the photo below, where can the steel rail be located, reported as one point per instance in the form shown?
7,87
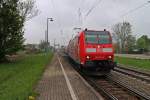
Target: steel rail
133,73
130,89
100,89
140,72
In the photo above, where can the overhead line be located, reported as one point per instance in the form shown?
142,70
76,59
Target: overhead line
80,13
59,20
132,10
92,8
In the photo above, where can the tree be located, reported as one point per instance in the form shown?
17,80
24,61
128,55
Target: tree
117,43
122,31
11,23
27,9
13,14
143,43
131,44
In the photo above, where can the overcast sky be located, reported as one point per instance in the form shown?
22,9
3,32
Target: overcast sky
104,14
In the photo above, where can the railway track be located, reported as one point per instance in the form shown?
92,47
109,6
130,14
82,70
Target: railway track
136,74
115,90
110,90
139,94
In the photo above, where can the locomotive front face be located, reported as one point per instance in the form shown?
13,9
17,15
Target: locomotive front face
98,46
93,50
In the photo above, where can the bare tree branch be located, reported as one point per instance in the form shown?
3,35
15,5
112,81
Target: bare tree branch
122,31
28,9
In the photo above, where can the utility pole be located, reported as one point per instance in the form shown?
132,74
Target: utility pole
48,19
45,36
45,40
54,44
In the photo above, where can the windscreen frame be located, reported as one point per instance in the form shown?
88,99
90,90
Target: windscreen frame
98,33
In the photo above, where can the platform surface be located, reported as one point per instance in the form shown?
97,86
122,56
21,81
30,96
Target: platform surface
61,82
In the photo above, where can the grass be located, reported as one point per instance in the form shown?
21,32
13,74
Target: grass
17,79
136,63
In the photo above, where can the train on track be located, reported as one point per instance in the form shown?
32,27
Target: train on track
92,50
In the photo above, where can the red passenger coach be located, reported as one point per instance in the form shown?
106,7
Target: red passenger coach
92,50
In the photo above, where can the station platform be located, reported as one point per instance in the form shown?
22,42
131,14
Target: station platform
61,82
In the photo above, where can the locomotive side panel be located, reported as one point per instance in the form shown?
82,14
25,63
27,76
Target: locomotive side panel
82,48
73,49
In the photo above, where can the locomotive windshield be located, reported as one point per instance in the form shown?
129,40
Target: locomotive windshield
97,37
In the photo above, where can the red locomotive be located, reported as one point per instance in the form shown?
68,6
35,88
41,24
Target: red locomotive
92,50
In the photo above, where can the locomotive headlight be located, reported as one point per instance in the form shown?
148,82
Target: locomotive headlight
87,57
109,57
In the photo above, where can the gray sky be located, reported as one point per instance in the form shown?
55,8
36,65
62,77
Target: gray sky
66,16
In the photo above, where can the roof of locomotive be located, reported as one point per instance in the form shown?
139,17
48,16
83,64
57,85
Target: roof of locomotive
95,30
83,31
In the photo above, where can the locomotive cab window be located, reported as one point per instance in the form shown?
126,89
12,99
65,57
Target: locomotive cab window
104,39
97,37
91,38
